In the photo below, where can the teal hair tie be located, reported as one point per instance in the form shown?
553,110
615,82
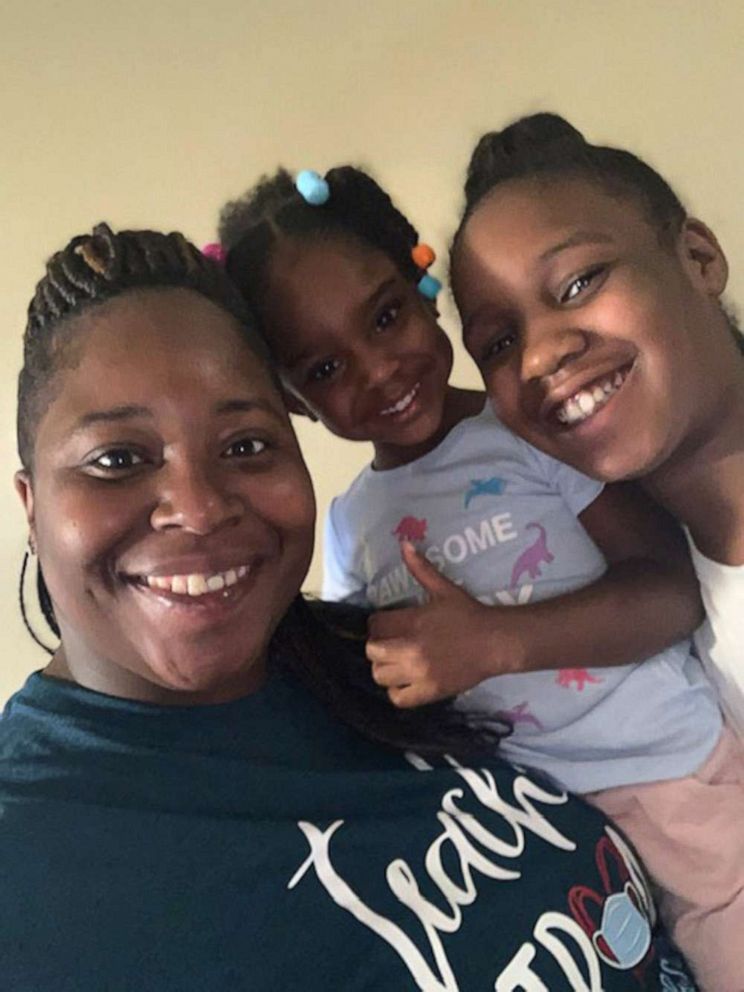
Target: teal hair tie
429,286
312,187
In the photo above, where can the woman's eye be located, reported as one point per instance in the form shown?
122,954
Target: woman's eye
116,460
246,447
323,370
387,316
577,286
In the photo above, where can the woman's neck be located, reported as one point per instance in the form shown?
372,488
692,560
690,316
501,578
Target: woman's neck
459,404
703,483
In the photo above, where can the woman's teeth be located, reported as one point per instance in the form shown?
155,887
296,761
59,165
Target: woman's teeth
587,401
402,403
196,584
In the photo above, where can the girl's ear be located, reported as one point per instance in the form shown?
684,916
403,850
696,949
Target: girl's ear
703,257
295,405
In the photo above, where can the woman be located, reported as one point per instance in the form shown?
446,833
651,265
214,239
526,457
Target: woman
178,812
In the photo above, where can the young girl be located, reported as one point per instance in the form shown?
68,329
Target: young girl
337,290
591,303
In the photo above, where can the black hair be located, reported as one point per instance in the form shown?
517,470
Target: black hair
547,146
252,227
322,645
94,268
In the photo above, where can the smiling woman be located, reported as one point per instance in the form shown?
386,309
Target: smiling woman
178,811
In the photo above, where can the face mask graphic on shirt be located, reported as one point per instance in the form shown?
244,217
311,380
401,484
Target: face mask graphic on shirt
625,931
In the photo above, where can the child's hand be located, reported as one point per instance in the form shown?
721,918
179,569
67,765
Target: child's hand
421,654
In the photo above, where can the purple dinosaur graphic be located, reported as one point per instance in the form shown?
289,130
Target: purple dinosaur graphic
520,714
532,557
484,487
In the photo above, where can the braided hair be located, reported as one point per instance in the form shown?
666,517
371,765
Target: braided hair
546,146
321,645
90,270
252,227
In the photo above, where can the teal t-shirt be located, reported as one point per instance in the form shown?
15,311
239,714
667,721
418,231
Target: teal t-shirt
260,845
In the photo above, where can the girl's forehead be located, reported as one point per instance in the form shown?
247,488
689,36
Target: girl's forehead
539,207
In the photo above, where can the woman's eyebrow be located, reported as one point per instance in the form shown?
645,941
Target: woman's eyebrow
113,414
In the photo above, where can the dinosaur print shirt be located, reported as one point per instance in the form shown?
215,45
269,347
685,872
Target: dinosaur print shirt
502,519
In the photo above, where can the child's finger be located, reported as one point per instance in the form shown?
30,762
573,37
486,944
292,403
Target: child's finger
387,624
427,575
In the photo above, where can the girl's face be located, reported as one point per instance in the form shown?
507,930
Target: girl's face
357,344
595,341
171,508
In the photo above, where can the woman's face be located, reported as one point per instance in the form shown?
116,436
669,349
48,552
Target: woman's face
596,342
169,502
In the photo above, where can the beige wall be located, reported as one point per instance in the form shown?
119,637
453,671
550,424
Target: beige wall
153,113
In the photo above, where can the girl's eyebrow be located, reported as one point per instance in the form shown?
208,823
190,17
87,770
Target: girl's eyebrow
293,361
577,238
384,286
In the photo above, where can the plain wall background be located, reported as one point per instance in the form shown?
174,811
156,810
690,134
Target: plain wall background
154,113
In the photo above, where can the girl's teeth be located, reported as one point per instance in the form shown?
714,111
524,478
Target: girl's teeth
402,403
584,403
197,584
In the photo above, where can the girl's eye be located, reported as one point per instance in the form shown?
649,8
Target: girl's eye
577,286
387,316
115,461
246,447
323,370
498,345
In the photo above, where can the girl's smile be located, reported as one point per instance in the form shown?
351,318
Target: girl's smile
587,329
358,346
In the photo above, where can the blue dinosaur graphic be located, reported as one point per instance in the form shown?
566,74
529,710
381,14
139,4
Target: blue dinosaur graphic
484,487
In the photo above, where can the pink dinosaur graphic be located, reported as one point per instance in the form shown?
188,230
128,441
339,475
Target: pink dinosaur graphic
520,714
532,557
410,529
567,676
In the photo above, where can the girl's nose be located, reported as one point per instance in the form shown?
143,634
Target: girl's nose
196,501
380,366
546,351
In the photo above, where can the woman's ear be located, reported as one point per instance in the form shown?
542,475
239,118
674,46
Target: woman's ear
703,257
295,405
22,481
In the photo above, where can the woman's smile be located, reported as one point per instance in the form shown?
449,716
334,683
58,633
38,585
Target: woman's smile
171,507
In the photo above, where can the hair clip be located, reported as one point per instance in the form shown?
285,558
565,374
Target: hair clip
423,255
312,187
216,252
429,286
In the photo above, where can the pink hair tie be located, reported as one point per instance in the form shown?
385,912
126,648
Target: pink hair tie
216,252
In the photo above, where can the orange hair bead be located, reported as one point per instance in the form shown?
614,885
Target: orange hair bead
423,256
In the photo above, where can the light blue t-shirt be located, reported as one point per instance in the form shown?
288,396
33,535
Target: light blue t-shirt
501,519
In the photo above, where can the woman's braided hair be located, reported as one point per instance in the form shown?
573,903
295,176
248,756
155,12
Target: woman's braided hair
252,227
92,269
319,644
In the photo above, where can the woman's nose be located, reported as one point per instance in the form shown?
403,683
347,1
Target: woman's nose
548,349
195,500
